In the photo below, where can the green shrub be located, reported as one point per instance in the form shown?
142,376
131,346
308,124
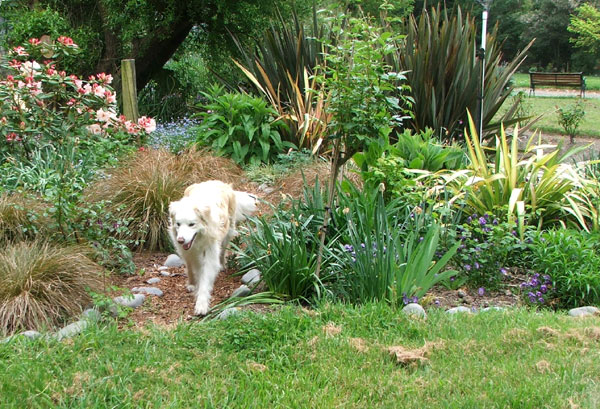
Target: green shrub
388,262
531,187
42,285
570,118
488,247
572,260
240,126
282,68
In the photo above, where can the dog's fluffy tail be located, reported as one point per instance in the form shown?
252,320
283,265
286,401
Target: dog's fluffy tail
246,205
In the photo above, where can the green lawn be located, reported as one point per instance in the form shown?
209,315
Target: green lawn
592,83
549,122
333,357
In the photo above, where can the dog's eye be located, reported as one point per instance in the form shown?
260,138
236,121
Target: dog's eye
192,224
178,224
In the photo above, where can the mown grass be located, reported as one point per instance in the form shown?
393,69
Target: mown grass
592,83
548,106
287,359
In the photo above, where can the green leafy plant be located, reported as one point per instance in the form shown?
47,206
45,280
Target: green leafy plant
488,247
443,71
240,126
41,285
572,260
378,264
282,68
358,83
283,247
570,118
533,187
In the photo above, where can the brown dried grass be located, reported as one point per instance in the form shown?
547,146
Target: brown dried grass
41,284
141,189
21,217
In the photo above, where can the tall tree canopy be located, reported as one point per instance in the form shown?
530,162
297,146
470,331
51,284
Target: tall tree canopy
149,31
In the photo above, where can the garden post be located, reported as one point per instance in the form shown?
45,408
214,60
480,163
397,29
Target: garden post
130,106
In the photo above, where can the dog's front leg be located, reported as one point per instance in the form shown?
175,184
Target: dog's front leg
210,268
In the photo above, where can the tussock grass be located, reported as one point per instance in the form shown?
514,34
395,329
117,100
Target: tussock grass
21,217
42,284
141,189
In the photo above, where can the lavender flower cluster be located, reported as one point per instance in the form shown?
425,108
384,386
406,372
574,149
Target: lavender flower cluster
537,288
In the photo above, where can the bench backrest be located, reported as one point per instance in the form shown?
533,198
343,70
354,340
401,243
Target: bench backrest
558,78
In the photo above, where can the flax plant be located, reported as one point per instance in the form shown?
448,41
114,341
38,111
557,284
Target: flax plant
534,186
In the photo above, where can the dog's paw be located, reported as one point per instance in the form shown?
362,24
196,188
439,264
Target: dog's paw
191,288
202,307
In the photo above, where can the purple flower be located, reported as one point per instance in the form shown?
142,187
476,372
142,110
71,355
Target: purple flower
534,282
421,239
348,248
495,222
476,265
481,291
514,233
452,278
467,267
482,221
469,219
415,299
541,300
543,288
503,271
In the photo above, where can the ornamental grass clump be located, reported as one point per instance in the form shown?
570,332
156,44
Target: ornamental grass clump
21,217
141,189
42,285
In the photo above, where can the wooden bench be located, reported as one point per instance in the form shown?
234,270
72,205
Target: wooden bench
557,79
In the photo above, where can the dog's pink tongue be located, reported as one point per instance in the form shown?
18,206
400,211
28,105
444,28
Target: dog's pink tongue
187,246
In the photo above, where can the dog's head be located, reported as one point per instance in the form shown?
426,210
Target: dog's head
187,221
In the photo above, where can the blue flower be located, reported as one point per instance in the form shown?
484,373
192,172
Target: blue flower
482,221
481,291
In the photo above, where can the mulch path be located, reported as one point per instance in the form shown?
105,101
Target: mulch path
177,304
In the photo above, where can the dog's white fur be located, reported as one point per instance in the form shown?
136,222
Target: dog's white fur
201,225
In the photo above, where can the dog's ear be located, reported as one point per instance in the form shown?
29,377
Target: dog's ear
203,213
173,209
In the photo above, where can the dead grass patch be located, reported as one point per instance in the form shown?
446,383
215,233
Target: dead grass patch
331,329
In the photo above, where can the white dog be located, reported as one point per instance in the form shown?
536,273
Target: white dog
201,225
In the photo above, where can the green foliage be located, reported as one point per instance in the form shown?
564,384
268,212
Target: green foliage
240,126
533,187
585,24
42,285
444,73
282,68
570,118
385,261
364,98
487,248
284,248
572,260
